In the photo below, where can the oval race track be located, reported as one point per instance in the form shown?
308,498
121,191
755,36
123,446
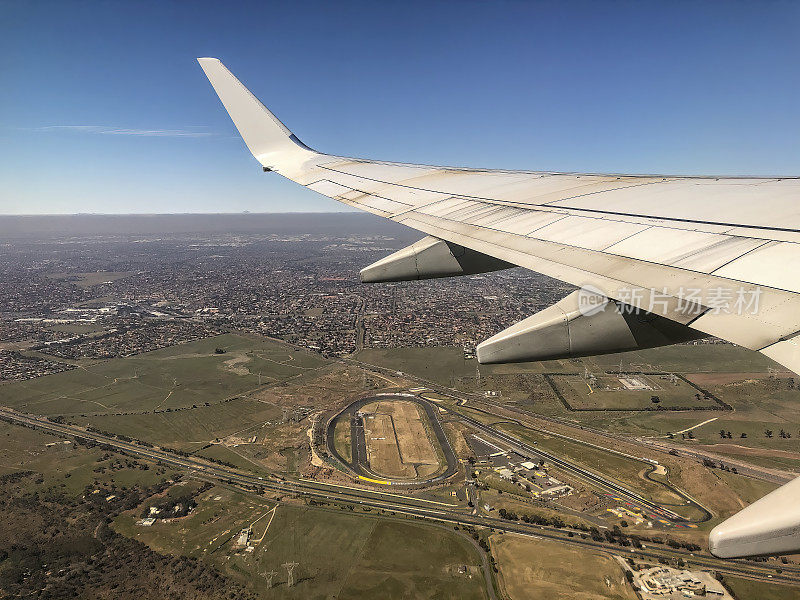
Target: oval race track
359,465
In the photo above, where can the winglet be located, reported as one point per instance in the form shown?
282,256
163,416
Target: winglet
269,140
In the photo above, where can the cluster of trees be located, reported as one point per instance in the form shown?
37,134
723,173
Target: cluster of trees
707,462
84,556
537,519
119,464
724,434
481,542
178,506
140,412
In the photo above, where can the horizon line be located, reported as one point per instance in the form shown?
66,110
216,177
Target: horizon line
169,214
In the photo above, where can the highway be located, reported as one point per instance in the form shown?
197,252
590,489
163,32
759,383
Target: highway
400,504
596,479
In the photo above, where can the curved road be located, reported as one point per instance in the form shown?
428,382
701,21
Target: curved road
610,485
358,443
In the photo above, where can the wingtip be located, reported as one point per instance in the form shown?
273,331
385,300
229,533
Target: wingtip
266,137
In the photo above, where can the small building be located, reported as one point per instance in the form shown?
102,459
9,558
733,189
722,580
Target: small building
243,538
505,473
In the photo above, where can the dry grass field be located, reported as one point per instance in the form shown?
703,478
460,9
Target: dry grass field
397,440
384,453
537,569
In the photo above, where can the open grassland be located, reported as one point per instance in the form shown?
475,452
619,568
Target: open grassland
233,457
744,589
68,469
404,560
341,438
191,428
608,393
762,408
445,364
339,554
747,489
538,569
179,376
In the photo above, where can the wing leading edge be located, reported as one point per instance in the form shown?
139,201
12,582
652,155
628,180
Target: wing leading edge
672,257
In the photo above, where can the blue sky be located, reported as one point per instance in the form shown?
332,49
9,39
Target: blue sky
103,108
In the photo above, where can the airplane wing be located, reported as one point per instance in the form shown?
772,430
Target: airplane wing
674,258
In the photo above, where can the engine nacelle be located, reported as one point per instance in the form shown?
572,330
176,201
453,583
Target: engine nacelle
430,258
582,324
769,526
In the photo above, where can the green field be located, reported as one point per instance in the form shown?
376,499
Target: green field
608,393
188,428
339,554
402,560
178,376
744,589
67,469
442,364
748,489
230,456
539,569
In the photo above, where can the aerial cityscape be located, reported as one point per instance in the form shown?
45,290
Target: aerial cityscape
270,434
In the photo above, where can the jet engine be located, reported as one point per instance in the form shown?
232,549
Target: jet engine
582,324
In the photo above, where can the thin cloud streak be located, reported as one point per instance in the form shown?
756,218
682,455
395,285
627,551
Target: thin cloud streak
104,130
